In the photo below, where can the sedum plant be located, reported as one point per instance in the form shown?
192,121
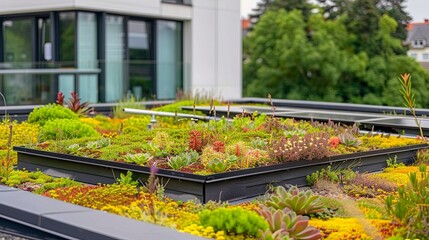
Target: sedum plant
349,140
138,158
101,143
66,129
301,202
308,147
42,115
234,220
218,165
286,224
182,160
73,148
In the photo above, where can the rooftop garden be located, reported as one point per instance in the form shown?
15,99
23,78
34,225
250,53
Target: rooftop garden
339,199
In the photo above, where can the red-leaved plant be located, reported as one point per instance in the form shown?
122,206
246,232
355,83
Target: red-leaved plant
74,104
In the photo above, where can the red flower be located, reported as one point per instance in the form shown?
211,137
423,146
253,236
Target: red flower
334,142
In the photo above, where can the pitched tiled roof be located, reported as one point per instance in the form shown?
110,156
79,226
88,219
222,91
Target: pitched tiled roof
418,31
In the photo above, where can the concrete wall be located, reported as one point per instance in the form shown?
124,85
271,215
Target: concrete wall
216,48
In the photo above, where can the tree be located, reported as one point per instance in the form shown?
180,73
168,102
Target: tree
320,59
286,63
288,5
396,10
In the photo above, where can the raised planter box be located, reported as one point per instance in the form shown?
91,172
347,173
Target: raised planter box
228,186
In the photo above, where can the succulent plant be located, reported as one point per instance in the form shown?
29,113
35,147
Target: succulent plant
300,202
218,165
104,142
349,140
286,224
259,143
73,148
138,158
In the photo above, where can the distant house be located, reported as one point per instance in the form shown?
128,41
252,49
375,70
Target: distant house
418,42
246,24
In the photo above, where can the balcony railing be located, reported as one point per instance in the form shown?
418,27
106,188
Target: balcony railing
38,83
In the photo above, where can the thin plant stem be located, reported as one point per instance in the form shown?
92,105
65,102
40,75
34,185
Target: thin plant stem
409,99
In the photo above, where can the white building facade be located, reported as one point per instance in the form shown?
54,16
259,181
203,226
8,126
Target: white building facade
418,42
106,49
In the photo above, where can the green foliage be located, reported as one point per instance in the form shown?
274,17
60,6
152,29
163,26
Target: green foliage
349,140
73,148
392,163
352,58
411,206
42,115
218,165
410,99
127,179
331,175
301,202
101,143
182,160
234,220
55,184
138,158
423,156
286,223
66,129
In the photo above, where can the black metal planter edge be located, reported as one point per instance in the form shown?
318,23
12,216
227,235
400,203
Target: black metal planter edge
219,176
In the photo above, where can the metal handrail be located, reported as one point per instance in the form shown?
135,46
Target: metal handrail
166,114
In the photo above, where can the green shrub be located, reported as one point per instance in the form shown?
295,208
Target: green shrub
49,112
234,220
66,129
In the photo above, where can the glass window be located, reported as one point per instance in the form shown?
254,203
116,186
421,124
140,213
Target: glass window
18,53
114,58
67,30
17,41
87,55
413,55
169,58
140,59
426,56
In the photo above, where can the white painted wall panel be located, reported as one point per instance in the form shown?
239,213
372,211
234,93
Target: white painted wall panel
216,48
146,7
229,54
210,4
25,6
419,53
203,75
176,11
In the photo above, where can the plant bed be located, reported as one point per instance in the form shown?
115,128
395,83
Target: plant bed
227,186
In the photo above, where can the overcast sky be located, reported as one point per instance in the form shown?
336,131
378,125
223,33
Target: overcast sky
418,9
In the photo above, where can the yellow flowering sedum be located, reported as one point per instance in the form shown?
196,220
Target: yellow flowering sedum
340,228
